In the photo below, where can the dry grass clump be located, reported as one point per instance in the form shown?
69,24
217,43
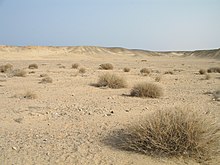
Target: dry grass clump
30,95
214,70
75,66
158,78
82,70
168,72
216,95
46,80
147,90
6,68
19,73
202,71
126,69
62,67
106,66
145,71
26,95
111,81
44,75
207,76
33,66
175,132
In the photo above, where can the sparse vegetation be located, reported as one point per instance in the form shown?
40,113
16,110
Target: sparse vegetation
75,66
173,132
214,70
158,78
6,68
46,80
147,90
106,66
216,95
145,71
111,81
62,67
202,71
30,95
33,66
168,72
44,75
82,70
207,76
26,95
31,72
19,73
126,69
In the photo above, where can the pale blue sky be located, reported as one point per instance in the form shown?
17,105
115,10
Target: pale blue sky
144,24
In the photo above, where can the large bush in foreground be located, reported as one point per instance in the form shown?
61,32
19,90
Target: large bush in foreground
173,132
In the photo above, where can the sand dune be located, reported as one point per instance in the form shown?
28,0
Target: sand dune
94,50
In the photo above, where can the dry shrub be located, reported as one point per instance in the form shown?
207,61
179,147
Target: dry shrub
33,66
19,73
44,75
207,76
147,90
46,80
82,70
158,78
6,68
126,69
168,72
214,70
174,132
216,95
75,66
30,95
31,72
111,81
106,66
202,71
62,67
145,71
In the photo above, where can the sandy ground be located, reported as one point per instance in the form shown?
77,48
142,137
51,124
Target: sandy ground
69,119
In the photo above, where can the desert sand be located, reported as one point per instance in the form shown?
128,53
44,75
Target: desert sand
69,118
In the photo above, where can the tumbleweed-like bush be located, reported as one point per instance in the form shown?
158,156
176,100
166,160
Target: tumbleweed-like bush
33,66
126,69
30,95
175,132
111,81
146,89
145,71
214,70
19,73
106,66
46,80
202,71
6,68
75,66
82,70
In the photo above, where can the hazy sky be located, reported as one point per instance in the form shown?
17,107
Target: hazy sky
145,24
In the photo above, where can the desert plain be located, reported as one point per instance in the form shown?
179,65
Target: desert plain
66,120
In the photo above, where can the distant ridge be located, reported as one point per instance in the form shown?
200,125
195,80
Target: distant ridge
96,50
